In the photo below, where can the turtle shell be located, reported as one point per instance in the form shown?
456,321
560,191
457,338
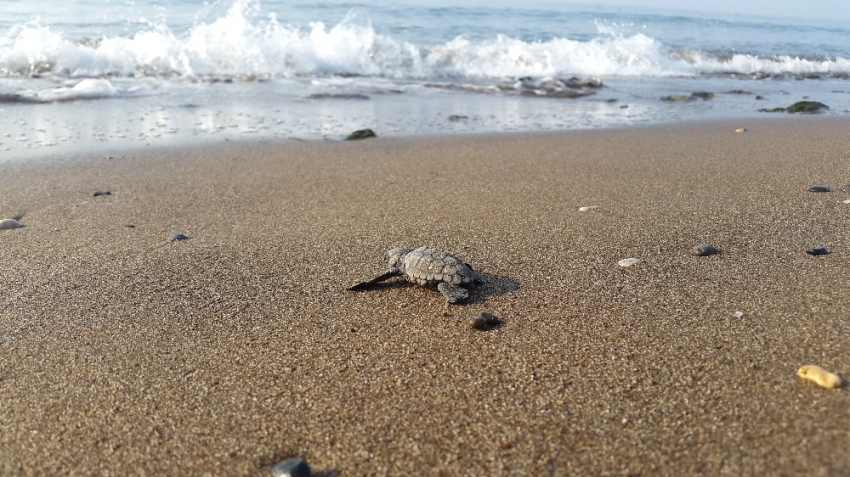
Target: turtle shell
430,266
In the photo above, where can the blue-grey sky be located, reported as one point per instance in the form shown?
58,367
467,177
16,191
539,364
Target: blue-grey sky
830,9
827,9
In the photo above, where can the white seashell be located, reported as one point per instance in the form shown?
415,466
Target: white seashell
740,130
588,207
819,375
847,201
7,224
739,314
628,262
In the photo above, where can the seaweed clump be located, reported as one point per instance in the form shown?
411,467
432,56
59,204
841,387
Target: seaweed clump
806,107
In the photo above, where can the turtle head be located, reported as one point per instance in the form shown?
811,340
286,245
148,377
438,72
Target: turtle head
395,256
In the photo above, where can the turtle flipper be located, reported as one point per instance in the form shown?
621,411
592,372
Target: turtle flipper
453,293
393,272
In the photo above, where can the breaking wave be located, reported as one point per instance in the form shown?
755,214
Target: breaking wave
241,42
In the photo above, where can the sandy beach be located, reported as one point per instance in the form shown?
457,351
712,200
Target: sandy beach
122,353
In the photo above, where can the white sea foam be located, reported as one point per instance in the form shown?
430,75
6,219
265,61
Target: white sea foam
240,42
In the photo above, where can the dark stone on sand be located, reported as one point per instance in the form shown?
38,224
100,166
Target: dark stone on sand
759,97
807,107
102,192
739,91
846,188
819,188
130,226
625,106
704,95
361,134
817,251
703,250
178,236
296,467
485,321
772,110
457,117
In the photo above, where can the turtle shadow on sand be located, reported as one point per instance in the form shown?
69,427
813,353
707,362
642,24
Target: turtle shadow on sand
491,285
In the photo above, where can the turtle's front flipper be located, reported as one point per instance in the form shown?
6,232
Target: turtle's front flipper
384,276
453,293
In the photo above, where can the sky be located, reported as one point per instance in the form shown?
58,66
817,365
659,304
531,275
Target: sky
827,9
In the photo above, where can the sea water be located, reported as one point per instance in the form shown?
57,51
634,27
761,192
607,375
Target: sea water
110,75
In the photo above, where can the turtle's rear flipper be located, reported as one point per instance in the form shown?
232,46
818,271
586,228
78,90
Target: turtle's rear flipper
453,293
382,277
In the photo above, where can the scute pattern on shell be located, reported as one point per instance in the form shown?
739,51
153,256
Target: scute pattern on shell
431,265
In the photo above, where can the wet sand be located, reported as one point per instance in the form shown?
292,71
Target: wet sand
124,354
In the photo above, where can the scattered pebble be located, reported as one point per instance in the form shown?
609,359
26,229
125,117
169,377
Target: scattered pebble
457,117
361,134
130,226
628,262
296,467
485,320
820,376
740,130
102,192
178,236
819,188
739,314
704,249
847,201
588,207
8,224
846,188
817,251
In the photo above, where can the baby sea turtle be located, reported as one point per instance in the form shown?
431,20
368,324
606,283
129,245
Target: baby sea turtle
429,267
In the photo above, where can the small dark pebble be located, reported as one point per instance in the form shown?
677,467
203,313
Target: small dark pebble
457,117
178,236
819,188
703,249
102,192
484,321
130,226
361,134
704,95
759,97
354,330
296,467
817,251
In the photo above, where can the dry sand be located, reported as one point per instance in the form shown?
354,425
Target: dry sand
124,354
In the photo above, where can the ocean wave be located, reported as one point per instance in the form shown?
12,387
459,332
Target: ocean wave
241,43
88,88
